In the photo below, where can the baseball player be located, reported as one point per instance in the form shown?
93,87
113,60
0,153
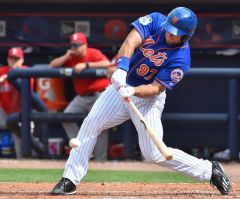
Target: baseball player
154,57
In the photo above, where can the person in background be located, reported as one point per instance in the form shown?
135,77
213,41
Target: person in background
10,97
81,57
208,36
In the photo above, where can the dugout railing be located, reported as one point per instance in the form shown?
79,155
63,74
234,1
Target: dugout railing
231,118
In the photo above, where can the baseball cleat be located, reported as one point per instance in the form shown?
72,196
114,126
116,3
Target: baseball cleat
219,179
64,187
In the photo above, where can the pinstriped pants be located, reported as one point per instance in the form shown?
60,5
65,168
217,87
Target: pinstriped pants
111,110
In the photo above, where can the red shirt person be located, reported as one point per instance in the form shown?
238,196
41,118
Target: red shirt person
9,97
81,57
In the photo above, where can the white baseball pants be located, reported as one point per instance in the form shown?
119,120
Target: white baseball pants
111,110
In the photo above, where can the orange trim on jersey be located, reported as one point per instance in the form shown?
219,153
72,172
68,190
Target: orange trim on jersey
159,35
153,43
148,57
154,52
135,65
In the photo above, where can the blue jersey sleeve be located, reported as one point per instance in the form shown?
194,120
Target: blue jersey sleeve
148,24
177,66
170,76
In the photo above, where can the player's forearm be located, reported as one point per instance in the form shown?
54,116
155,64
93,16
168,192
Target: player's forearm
145,91
126,49
58,62
148,90
132,41
99,64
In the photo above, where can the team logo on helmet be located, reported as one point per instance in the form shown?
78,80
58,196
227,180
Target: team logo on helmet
176,75
175,20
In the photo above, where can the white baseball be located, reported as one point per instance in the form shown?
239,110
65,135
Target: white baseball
74,143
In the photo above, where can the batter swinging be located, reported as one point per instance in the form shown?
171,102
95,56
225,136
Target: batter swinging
154,57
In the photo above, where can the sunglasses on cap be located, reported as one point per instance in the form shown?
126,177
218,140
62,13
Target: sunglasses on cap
76,45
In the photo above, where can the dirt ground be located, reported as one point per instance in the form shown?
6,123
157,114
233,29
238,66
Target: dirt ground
115,190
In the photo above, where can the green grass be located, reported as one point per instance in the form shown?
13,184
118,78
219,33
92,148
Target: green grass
53,175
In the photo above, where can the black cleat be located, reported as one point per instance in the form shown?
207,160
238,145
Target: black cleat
64,187
219,179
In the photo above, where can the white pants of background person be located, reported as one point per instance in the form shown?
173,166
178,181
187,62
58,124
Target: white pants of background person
83,105
16,135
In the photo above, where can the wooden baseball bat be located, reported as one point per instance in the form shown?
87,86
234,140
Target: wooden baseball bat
156,140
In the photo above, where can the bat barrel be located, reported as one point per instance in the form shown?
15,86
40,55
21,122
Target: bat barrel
156,140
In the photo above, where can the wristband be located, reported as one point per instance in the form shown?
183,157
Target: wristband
123,63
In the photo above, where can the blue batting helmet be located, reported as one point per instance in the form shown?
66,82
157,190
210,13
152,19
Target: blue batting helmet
181,21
